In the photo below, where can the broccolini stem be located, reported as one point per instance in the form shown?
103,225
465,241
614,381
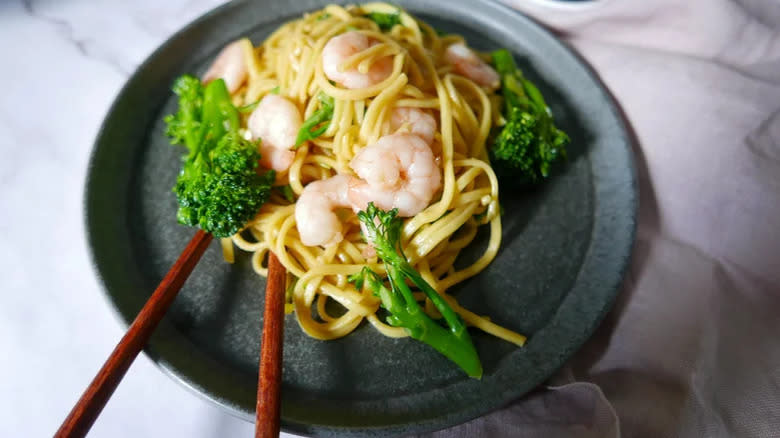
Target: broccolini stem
535,95
419,325
457,327
398,283
219,117
217,111
517,90
503,62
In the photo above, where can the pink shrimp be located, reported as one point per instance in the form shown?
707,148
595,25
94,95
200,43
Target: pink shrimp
315,214
398,171
468,64
339,48
230,66
276,121
421,123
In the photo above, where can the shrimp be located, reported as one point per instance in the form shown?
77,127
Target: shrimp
468,64
229,66
421,123
339,48
315,214
276,121
398,171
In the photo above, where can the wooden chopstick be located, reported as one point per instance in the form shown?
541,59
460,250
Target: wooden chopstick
91,403
270,375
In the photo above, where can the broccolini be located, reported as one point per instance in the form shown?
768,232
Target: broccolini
530,143
218,188
385,21
383,230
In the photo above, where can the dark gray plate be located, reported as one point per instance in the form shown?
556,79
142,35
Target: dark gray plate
565,247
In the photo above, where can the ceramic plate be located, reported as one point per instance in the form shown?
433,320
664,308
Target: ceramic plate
566,246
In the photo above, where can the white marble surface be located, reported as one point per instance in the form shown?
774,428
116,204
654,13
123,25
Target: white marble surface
63,61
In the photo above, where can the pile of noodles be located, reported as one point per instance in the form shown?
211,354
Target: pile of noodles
289,62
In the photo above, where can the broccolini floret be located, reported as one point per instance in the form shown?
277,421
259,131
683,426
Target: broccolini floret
218,188
530,143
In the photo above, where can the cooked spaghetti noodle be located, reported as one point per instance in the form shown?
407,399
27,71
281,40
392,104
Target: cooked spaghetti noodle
289,63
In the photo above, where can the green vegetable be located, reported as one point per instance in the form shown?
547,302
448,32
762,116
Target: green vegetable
530,143
319,121
383,231
184,126
385,21
218,188
287,192
249,107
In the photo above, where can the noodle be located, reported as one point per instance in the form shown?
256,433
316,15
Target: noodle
289,60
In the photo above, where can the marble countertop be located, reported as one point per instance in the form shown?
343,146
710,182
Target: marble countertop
63,63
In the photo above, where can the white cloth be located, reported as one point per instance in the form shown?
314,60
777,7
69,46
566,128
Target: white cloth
690,348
